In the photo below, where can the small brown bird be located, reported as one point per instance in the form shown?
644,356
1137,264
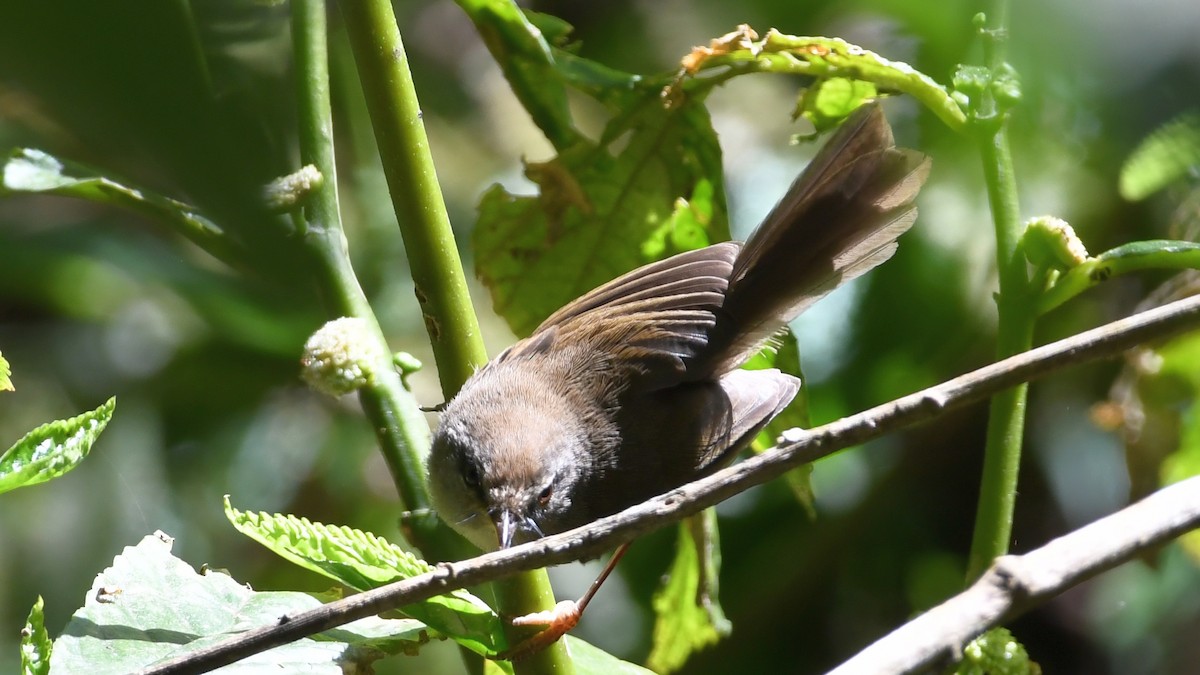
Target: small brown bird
634,388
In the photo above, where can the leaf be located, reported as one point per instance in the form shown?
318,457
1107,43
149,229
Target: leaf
149,606
829,101
599,215
786,357
528,63
996,652
1165,156
35,643
33,171
1184,462
364,561
52,449
591,660
5,375
688,615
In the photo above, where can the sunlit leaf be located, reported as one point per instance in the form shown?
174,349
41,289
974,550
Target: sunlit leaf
830,101
785,356
52,449
5,375
591,660
364,561
688,615
28,170
1167,155
149,606
35,642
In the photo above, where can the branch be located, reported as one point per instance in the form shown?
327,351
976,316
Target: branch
801,447
1015,584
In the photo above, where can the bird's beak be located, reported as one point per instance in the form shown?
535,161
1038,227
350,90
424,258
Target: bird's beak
506,527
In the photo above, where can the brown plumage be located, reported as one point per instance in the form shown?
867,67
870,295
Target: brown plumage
633,389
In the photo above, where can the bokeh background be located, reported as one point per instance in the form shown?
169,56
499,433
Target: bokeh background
195,100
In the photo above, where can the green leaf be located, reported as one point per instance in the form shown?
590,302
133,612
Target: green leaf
364,561
1167,155
599,215
591,660
32,171
688,615
785,356
996,652
1184,461
528,63
35,643
5,375
828,102
149,606
52,449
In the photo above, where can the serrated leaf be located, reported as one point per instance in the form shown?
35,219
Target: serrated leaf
149,606
364,561
52,449
5,375
28,170
785,356
35,642
1167,155
597,213
688,615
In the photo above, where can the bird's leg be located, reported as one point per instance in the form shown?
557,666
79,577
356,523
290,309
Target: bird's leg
560,620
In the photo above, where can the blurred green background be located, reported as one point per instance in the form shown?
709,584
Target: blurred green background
194,100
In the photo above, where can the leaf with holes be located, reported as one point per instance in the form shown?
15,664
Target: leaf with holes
52,449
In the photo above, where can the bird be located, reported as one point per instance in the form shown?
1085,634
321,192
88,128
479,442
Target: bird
634,388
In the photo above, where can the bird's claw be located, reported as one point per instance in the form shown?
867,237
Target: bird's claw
557,622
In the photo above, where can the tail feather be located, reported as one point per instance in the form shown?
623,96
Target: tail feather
838,220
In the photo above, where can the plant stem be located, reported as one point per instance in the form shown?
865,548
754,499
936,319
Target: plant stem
1016,316
441,285
399,425
433,257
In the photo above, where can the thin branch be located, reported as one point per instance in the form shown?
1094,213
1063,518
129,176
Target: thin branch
800,448
1014,584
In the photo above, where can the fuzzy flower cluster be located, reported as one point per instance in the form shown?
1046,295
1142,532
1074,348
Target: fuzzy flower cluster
339,357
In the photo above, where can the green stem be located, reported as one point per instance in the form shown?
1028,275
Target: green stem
1131,257
399,425
441,285
433,257
1016,316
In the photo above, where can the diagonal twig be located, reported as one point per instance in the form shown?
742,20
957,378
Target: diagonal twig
1016,583
800,447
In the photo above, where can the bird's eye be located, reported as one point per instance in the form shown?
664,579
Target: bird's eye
470,476
545,495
